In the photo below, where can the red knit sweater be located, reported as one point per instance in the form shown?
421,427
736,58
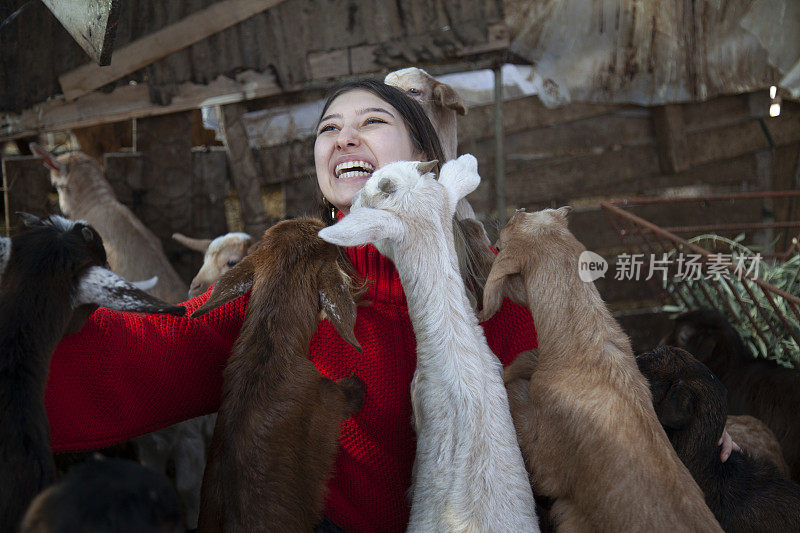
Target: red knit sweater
125,374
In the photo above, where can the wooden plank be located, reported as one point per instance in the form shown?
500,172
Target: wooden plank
92,23
167,176
671,135
29,188
244,169
104,138
210,170
301,197
523,114
124,173
286,162
161,43
133,101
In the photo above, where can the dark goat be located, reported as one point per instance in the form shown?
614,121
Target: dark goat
756,387
744,493
277,429
52,267
106,496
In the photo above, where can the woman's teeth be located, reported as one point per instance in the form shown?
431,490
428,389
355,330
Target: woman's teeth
353,169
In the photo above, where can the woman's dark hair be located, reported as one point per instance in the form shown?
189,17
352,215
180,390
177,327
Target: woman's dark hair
423,136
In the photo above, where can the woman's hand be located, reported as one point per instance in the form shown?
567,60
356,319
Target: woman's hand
727,446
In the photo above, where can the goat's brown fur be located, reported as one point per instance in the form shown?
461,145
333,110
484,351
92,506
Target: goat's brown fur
277,429
755,438
585,419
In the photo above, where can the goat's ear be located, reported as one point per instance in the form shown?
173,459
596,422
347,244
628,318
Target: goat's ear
362,226
505,269
200,245
460,177
5,253
427,166
234,283
676,409
336,302
100,286
49,159
28,219
564,211
446,96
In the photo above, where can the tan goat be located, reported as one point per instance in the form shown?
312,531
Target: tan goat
134,252
442,104
221,254
585,419
277,429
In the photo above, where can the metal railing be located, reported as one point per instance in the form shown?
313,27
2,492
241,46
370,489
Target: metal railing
649,240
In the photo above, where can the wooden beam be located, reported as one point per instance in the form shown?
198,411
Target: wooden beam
92,23
244,170
161,43
671,135
133,101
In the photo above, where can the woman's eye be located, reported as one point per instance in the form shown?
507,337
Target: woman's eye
326,127
374,121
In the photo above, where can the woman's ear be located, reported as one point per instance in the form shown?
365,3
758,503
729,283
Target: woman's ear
363,225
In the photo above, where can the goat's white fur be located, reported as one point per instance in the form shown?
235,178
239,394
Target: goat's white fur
469,473
221,254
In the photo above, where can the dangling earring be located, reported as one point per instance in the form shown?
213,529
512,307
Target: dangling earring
330,207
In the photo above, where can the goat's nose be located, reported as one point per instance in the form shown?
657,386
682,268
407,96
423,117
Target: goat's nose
197,288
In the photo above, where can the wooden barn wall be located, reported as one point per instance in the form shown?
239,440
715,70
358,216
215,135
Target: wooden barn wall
298,40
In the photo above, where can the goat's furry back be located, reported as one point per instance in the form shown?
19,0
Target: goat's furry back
585,418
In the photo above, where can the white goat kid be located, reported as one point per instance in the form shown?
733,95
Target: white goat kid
468,472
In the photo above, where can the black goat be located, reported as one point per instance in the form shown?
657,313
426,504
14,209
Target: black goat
756,387
744,493
53,266
106,495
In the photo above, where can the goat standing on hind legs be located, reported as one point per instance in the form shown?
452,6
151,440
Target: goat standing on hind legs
468,470
585,420
277,428
52,267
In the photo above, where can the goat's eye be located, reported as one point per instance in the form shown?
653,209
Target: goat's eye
231,263
414,91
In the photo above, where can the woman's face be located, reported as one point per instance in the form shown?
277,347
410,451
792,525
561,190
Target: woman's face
358,134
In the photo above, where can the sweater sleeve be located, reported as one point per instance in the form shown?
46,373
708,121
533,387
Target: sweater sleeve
510,331
125,374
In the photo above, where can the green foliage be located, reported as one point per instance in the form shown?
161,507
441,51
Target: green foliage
757,314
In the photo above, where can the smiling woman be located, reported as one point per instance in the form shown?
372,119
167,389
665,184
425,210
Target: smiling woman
126,374
363,126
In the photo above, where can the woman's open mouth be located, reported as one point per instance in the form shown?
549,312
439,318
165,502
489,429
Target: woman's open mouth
353,169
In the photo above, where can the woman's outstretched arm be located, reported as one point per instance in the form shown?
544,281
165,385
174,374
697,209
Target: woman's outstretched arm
125,374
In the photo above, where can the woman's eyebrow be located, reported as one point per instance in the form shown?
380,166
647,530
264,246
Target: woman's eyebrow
328,117
375,110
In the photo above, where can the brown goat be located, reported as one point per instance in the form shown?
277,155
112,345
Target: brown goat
277,428
585,419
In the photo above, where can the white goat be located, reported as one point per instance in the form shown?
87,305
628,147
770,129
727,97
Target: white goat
442,104
468,472
221,254
134,252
